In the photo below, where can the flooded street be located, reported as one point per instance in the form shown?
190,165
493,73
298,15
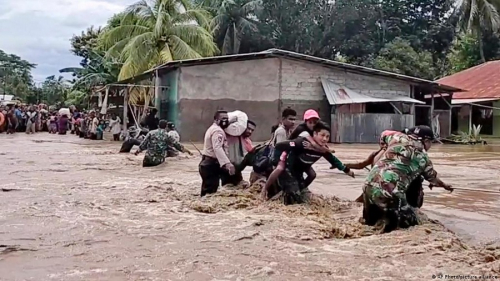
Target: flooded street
74,209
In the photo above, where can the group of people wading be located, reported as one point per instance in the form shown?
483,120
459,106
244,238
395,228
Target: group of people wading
392,190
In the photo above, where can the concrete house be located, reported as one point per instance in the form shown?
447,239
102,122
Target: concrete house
480,104
358,102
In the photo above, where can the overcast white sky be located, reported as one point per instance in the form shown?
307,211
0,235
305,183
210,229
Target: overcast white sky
39,30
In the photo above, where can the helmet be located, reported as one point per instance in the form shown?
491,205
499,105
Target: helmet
310,114
422,132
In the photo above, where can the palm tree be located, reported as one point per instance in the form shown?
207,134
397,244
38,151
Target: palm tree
55,90
99,72
477,16
149,35
234,18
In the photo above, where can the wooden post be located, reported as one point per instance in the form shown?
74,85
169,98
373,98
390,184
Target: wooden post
125,108
432,108
157,92
470,119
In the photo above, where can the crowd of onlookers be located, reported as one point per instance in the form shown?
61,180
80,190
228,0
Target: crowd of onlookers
42,118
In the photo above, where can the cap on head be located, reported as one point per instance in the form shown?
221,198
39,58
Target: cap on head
422,132
170,125
310,114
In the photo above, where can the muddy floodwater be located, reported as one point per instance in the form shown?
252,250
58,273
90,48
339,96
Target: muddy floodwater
74,209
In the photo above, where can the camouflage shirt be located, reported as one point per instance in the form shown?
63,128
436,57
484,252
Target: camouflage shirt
403,161
157,143
388,138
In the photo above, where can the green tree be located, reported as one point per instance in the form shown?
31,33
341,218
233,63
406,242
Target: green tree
99,72
77,98
478,17
149,35
85,44
466,51
55,90
15,75
399,56
234,18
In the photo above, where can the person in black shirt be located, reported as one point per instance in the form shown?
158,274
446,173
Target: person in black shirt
152,121
305,130
300,159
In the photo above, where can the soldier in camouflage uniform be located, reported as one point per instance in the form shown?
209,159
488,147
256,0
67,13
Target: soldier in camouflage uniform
415,192
385,187
157,143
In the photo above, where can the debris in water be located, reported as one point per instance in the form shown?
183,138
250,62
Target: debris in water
5,249
251,236
10,189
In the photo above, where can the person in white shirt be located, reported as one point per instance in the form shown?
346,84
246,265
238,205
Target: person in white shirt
285,128
32,116
115,126
93,125
172,132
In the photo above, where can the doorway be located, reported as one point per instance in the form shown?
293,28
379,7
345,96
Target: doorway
422,115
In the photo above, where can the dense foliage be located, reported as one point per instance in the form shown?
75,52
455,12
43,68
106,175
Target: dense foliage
422,38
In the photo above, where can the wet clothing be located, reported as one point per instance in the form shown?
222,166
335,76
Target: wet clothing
128,144
300,128
156,144
386,186
415,192
215,157
298,161
174,135
389,137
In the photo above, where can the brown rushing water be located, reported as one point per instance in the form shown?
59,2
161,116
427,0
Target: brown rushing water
81,211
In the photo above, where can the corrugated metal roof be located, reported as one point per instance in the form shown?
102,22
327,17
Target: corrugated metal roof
337,94
405,99
482,81
292,55
466,101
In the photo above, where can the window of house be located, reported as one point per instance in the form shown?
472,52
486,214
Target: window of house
379,107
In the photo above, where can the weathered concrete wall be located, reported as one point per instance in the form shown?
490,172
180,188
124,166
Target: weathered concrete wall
302,89
250,86
262,88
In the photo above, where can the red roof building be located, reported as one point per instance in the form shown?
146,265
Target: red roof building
481,82
479,104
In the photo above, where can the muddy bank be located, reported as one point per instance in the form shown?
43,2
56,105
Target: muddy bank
76,210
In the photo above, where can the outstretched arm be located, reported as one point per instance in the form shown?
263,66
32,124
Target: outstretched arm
364,163
431,176
336,163
144,144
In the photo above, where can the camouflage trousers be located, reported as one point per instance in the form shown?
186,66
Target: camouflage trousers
293,188
388,211
150,161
